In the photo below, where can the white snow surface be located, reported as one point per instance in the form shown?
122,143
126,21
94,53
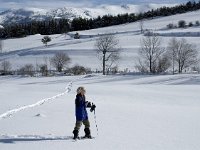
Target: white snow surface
133,112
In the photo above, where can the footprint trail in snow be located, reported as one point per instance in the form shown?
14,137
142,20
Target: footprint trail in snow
10,113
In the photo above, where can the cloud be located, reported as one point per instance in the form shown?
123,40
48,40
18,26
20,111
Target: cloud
58,3
47,4
51,4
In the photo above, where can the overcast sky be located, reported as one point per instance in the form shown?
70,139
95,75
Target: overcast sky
6,4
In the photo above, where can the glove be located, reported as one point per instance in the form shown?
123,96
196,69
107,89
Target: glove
92,108
88,104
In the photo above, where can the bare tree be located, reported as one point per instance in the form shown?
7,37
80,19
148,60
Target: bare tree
6,66
1,46
150,53
60,60
172,46
141,25
163,63
141,65
183,53
44,70
108,50
28,69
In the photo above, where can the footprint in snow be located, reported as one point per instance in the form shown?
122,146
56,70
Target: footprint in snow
40,115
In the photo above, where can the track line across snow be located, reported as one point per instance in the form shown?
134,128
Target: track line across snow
10,113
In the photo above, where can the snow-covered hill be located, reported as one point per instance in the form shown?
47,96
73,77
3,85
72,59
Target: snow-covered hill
141,112
28,14
31,50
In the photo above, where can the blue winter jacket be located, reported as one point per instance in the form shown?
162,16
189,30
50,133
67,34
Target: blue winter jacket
81,104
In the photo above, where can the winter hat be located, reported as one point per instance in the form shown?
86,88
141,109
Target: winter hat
80,89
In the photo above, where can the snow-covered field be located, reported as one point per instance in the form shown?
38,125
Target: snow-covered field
133,112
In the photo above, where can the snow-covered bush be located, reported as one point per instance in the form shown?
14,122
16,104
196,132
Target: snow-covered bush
78,70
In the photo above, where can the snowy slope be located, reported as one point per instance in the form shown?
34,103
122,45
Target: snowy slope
28,14
82,51
143,112
133,111
156,24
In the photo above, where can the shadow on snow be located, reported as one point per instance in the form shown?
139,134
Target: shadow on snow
12,140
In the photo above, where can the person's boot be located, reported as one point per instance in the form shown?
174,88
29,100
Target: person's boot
87,133
75,132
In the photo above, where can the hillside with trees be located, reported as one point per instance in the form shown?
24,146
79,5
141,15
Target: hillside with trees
59,26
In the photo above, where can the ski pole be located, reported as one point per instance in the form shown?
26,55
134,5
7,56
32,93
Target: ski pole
95,118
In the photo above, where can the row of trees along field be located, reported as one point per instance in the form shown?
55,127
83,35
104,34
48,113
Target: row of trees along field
178,55
60,63
152,56
58,26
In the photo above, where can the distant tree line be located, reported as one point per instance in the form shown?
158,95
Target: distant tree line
35,27
60,63
58,26
179,56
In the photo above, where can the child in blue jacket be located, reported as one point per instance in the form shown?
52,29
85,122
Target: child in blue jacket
81,113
